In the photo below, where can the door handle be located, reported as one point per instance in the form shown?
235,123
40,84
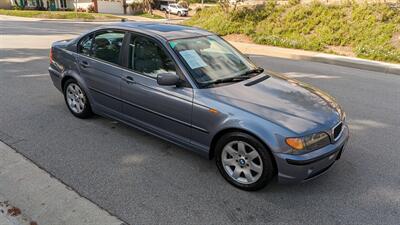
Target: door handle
129,80
84,64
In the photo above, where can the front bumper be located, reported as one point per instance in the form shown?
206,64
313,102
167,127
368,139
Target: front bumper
297,168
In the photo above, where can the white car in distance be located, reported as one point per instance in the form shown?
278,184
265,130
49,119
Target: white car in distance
175,9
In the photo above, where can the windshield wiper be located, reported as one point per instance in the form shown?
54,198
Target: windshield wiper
246,75
226,80
256,71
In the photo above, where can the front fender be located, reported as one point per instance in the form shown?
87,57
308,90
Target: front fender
270,134
211,119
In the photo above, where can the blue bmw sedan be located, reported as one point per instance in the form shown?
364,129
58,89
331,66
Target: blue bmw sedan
190,87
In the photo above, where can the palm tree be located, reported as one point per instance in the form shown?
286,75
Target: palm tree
124,5
95,6
147,5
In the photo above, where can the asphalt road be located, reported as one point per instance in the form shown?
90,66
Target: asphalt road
144,180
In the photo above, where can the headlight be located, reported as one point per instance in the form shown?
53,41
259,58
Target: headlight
317,141
309,143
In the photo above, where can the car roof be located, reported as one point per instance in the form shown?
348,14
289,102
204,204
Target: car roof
162,30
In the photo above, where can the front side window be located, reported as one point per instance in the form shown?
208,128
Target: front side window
148,58
85,45
107,46
210,59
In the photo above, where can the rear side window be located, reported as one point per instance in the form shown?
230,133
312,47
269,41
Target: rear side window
107,45
85,45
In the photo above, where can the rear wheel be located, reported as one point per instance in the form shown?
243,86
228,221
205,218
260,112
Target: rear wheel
244,161
76,100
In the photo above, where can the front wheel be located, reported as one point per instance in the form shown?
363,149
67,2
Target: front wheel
76,99
244,161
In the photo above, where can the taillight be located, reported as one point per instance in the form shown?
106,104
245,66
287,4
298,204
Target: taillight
51,55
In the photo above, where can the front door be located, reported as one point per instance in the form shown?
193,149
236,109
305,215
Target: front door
99,63
165,110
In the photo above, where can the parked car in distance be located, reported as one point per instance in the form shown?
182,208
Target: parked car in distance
190,87
175,9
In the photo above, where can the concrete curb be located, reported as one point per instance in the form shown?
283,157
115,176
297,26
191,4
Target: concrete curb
28,19
353,63
39,197
105,21
364,64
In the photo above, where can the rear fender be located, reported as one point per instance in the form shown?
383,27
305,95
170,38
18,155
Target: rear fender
72,74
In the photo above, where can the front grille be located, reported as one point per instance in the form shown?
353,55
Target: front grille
337,130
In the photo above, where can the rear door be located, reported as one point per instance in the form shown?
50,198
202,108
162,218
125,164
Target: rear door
165,110
100,66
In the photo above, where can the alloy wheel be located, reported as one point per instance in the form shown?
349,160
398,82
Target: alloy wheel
242,162
75,98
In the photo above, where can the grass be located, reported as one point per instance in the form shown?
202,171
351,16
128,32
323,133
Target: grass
367,29
57,14
148,15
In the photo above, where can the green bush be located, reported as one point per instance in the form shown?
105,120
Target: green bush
366,28
56,14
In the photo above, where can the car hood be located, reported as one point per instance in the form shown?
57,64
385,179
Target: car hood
292,104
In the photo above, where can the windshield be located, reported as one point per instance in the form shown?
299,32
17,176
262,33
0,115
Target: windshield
210,59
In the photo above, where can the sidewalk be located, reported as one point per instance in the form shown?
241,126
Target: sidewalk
286,53
11,215
31,196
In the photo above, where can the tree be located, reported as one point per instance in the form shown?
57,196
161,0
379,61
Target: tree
224,5
229,5
95,6
124,5
147,5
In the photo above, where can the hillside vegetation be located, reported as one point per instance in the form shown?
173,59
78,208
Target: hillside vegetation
371,31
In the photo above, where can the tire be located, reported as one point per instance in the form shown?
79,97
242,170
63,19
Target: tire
250,168
76,99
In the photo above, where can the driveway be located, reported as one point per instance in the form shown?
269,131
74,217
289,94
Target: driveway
144,180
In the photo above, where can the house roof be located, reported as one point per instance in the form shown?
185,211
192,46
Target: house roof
163,30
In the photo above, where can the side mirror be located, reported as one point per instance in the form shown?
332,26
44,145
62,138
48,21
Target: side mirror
167,79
